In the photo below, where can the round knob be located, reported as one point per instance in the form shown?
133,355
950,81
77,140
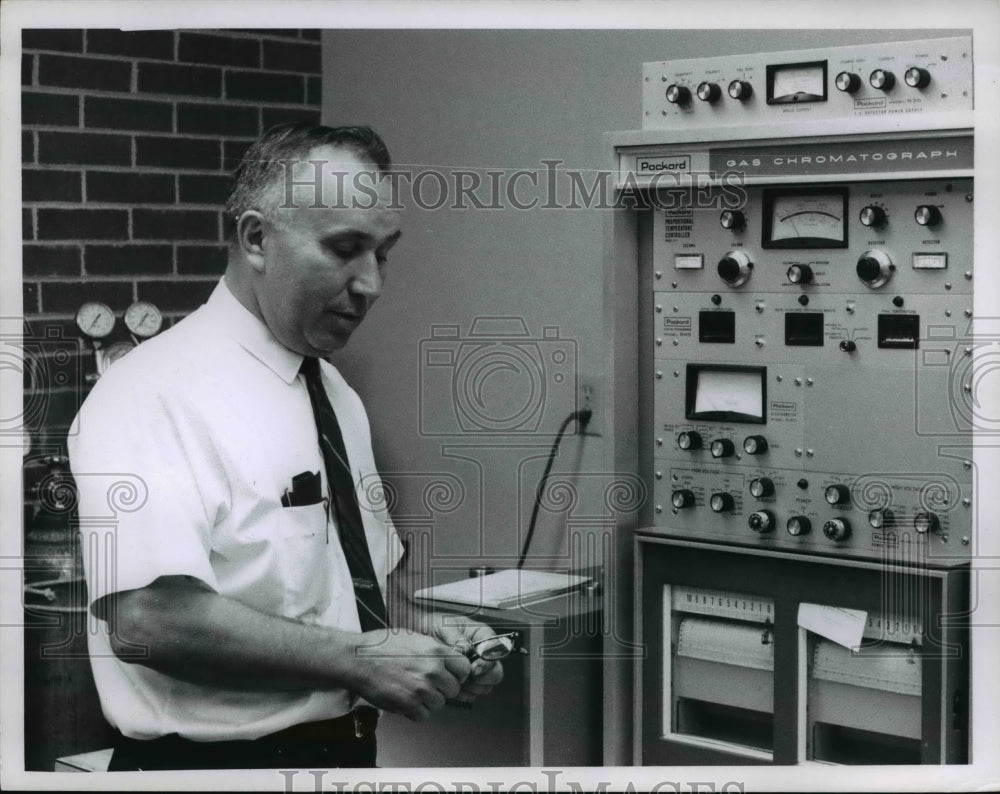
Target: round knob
873,216
761,521
915,77
682,498
741,90
798,525
837,529
722,448
837,494
927,215
800,274
882,80
848,345
848,82
732,219
926,522
755,445
762,487
689,440
709,92
881,518
678,94
875,268
734,268
721,502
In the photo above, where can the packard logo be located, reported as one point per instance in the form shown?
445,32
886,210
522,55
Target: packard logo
655,165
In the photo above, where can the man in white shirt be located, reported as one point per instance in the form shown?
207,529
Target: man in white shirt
233,639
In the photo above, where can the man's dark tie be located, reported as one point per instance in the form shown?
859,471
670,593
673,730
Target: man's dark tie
371,607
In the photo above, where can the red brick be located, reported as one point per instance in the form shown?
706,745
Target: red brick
128,260
215,119
175,225
202,260
52,109
51,260
27,146
27,67
128,114
65,297
204,189
176,295
162,78
83,224
64,39
29,298
265,87
163,152
136,43
46,185
220,50
69,71
130,187
292,56
27,225
84,148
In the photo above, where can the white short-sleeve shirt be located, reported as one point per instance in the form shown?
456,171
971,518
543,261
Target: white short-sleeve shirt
212,421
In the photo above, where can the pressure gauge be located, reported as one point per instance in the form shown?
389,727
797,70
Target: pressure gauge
95,319
143,319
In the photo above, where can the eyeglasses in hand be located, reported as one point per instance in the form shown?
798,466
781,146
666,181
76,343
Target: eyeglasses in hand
497,647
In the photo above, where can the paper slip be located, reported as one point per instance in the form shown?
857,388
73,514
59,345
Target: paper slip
504,589
843,626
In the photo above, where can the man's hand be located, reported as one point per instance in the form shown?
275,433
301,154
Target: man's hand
484,674
409,673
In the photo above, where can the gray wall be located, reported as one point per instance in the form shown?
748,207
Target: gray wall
500,99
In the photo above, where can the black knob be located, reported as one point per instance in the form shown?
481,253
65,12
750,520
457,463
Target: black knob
689,440
837,529
741,90
927,215
732,219
798,525
762,487
678,94
761,521
848,82
800,274
898,301
682,498
881,518
722,448
873,216
882,80
709,92
875,268
734,268
848,345
915,77
755,445
721,502
837,494
869,268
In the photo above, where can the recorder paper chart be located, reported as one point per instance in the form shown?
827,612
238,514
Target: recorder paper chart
729,391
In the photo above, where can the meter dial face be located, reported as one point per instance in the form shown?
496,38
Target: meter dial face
143,319
95,319
812,219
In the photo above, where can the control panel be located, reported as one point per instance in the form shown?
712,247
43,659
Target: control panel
893,85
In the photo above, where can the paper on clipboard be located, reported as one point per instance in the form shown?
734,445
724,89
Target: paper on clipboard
842,626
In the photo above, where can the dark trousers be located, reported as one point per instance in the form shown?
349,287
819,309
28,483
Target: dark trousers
315,745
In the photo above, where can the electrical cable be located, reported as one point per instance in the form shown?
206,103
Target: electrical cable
582,418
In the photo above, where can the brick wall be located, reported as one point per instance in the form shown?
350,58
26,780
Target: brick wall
128,140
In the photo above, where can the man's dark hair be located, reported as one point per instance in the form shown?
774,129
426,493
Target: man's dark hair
265,162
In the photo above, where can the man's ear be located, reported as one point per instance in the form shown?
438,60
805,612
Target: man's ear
250,237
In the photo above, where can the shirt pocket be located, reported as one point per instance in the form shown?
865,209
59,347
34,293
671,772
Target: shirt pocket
302,558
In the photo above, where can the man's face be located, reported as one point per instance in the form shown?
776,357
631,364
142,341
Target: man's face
323,266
